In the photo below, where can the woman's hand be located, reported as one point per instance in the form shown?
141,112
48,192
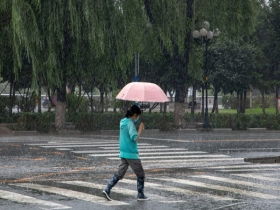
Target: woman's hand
141,128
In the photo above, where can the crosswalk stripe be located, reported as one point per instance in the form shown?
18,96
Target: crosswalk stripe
139,147
116,150
178,156
178,190
249,169
192,160
120,190
16,197
219,187
242,166
239,182
63,149
247,149
147,153
70,143
71,194
87,145
257,176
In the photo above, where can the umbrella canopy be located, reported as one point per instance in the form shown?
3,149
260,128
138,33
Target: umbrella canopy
142,92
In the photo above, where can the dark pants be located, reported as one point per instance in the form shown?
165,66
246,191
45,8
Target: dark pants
135,164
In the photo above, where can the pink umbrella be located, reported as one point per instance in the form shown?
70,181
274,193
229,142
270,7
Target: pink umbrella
142,92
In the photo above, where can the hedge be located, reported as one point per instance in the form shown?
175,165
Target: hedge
110,121
41,122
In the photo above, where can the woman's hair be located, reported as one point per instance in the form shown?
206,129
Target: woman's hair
133,110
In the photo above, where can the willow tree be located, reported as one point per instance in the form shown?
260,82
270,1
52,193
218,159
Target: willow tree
174,21
57,36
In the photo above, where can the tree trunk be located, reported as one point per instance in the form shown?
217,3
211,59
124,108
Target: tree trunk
193,100
263,102
60,108
91,103
244,101
179,108
239,98
276,100
80,90
251,98
106,102
215,103
101,101
242,95
11,104
202,100
39,99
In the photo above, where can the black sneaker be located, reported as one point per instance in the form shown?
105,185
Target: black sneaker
142,197
107,195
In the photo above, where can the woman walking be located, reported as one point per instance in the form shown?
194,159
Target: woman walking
129,153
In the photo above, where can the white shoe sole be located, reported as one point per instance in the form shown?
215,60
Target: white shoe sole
106,195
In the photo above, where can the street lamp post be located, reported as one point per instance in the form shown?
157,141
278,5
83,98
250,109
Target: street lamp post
204,37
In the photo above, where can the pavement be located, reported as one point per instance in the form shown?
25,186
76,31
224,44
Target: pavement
184,170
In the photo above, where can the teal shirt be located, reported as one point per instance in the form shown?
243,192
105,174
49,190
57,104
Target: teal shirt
128,139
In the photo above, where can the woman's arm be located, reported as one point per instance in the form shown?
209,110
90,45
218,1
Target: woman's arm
134,135
141,128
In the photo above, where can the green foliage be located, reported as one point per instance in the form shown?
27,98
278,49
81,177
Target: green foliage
35,121
229,102
240,122
87,122
232,65
76,103
4,101
95,121
235,19
110,121
273,123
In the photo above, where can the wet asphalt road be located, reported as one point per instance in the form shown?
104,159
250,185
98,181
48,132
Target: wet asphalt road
184,170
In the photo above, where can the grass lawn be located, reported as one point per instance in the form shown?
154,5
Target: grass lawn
248,111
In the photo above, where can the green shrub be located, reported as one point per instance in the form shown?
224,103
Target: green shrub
76,103
220,120
240,122
45,122
110,121
273,122
164,122
41,122
27,121
95,121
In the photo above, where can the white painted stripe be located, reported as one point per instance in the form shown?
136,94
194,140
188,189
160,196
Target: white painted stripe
192,160
219,187
148,138
116,150
71,194
238,182
243,166
257,176
139,147
16,197
117,189
247,149
176,157
63,149
88,145
147,153
178,190
72,143
250,169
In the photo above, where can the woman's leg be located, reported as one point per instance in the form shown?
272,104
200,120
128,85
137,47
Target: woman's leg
137,167
116,177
